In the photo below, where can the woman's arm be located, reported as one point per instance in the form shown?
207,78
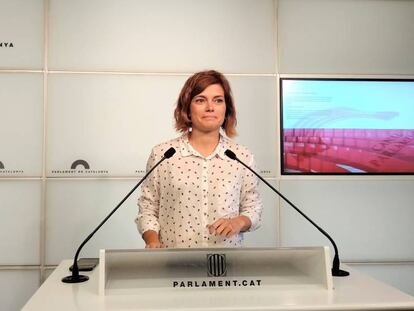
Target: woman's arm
250,202
148,207
249,212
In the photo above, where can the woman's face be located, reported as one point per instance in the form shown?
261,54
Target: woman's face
208,109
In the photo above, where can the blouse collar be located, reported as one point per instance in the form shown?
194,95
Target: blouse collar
186,149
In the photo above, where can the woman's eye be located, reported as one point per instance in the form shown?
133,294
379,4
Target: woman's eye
219,100
199,100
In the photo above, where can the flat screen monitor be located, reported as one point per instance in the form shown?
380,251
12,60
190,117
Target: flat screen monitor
347,126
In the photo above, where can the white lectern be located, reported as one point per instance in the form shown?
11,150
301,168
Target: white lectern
130,271
216,279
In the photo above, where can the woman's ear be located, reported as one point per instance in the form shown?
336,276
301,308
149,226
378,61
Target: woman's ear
186,116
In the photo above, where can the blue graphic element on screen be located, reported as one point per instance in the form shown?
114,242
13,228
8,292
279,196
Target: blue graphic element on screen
348,104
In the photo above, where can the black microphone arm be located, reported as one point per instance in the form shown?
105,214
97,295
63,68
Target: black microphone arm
75,277
336,262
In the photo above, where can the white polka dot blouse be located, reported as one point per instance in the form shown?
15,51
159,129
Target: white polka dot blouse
189,191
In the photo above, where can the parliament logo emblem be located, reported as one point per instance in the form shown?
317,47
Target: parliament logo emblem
216,265
80,162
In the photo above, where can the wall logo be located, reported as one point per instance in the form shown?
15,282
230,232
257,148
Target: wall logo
80,162
79,167
3,170
6,45
216,265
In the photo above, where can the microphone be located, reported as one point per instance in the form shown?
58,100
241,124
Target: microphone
336,262
75,277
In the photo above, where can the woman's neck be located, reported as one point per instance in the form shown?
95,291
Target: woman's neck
204,143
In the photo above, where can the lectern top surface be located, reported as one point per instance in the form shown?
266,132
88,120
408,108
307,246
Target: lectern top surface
356,292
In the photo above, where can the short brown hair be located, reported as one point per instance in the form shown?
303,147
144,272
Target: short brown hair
196,84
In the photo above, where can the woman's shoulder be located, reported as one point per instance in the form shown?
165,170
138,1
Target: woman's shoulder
241,151
160,148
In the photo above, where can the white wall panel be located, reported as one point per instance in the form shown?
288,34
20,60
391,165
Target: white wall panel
342,36
110,121
400,276
21,34
113,121
368,219
267,234
20,202
255,99
162,36
16,287
76,207
21,124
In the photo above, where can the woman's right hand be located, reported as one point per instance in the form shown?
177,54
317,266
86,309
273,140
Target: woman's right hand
153,245
151,239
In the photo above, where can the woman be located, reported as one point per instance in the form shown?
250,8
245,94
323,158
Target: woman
200,197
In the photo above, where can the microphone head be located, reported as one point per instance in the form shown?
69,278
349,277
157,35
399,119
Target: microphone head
230,154
169,153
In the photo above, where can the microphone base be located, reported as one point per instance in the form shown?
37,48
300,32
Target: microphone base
340,273
72,279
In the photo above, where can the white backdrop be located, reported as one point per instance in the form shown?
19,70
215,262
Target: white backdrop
97,81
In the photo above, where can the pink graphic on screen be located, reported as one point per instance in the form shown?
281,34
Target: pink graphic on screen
348,150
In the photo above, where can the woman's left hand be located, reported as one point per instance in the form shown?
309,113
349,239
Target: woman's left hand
227,227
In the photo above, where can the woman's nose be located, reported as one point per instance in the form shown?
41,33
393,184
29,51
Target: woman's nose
210,105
